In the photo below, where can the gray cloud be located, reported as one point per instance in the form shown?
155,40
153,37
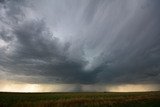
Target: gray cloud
81,42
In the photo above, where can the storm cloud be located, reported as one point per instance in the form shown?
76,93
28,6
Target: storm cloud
80,41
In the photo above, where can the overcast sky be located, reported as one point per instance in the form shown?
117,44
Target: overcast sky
80,42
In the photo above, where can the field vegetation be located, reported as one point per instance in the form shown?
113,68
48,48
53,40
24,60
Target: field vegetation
80,99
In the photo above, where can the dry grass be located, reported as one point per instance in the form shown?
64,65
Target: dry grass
148,99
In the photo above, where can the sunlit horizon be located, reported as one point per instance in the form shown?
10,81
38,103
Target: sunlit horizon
10,86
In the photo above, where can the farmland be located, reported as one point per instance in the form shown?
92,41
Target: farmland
80,99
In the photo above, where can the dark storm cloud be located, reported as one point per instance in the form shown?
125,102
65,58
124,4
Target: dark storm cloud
88,41
37,52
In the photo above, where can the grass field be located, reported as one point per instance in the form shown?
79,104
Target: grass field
88,99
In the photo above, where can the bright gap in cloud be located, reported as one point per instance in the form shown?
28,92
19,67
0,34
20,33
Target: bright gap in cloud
10,86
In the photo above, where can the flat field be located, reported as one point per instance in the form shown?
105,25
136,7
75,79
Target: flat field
80,99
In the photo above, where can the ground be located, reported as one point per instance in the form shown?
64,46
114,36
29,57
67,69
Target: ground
80,99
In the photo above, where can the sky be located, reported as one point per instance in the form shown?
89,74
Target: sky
79,45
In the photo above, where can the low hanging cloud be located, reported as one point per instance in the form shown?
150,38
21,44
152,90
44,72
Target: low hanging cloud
80,42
